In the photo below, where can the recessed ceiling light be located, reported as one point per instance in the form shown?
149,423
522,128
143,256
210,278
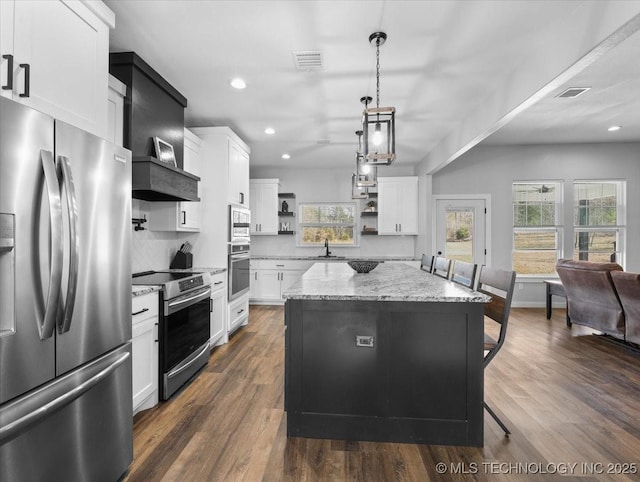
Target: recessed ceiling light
286,156
270,131
614,128
238,83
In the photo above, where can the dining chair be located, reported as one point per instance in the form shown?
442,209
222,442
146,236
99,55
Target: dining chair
499,285
464,273
427,263
442,267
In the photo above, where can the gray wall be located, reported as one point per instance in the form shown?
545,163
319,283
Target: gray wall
492,170
328,185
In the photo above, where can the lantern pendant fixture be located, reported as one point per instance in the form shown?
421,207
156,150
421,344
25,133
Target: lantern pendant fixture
366,174
358,192
378,124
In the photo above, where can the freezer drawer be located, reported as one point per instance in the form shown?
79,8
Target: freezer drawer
50,435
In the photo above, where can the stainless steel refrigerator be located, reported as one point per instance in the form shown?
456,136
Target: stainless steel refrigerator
65,301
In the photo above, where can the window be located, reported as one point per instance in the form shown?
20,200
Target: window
537,220
598,220
333,221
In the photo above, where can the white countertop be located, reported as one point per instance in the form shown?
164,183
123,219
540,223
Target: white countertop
387,282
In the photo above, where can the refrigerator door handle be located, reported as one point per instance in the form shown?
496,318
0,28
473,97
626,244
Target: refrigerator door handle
48,324
66,180
17,416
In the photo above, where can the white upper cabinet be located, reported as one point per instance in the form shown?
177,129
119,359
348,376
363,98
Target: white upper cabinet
264,206
184,215
238,173
55,59
115,109
398,205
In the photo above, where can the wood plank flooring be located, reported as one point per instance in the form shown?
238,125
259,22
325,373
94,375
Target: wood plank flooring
570,398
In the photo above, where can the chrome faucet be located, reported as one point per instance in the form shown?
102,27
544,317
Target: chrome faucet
326,246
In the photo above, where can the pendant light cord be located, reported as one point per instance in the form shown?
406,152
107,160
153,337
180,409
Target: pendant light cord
378,72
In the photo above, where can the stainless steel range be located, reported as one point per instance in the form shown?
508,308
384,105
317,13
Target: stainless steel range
185,307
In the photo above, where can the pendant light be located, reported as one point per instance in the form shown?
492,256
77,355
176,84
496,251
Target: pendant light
366,174
378,124
358,192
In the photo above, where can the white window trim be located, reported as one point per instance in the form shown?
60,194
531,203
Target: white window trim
558,228
356,237
621,225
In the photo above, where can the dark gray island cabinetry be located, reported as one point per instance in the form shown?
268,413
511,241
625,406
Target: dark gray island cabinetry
392,355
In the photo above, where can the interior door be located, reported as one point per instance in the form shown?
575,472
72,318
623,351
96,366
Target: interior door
460,229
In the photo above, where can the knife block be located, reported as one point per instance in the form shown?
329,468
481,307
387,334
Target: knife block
182,261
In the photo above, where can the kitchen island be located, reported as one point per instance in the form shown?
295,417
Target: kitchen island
392,355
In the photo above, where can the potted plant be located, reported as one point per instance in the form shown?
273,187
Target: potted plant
371,207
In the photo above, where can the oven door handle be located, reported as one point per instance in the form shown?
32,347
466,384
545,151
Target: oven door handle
235,257
176,305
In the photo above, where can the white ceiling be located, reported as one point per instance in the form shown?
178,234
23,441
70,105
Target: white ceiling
441,61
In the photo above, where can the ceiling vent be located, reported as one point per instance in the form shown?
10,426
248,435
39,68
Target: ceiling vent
573,92
307,60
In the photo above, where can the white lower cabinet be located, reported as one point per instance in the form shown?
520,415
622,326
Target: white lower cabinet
144,348
238,313
271,278
219,333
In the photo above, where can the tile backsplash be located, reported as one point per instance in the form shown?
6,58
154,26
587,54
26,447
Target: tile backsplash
153,250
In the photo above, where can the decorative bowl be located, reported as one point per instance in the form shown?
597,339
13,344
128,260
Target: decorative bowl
362,266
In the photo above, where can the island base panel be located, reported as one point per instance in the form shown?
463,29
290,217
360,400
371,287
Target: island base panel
421,382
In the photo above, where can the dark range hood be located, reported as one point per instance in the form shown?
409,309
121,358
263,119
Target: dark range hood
153,108
154,180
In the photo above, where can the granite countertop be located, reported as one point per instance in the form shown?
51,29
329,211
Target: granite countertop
143,290
212,271
336,258
138,290
387,282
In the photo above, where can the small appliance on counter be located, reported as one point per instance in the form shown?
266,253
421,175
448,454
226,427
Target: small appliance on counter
183,258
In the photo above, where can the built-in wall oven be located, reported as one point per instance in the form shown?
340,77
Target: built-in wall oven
239,277
238,255
184,331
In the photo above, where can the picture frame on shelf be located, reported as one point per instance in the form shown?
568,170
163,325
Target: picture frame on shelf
164,152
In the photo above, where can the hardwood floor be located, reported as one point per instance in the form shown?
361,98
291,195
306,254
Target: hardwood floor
571,400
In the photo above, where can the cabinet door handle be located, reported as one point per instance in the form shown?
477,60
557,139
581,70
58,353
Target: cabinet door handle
280,265
184,217
241,198
218,283
400,227
210,305
140,312
240,311
255,275
27,79
9,85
